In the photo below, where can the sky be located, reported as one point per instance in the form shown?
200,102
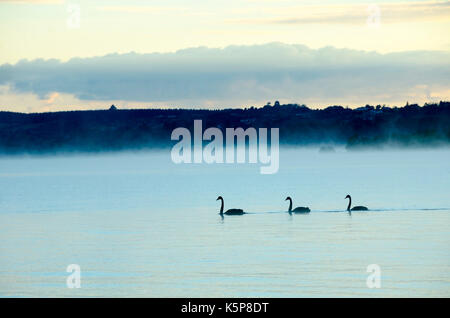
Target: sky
63,55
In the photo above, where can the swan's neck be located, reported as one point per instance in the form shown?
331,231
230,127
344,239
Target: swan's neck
290,205
349,203
221,206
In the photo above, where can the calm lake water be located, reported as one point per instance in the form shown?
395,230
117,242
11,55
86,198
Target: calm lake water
139,225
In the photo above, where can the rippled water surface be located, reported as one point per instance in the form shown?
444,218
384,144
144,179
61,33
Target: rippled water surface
139,225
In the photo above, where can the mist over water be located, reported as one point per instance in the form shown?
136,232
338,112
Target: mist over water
140,225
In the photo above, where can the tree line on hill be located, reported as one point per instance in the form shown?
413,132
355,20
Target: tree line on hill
132,129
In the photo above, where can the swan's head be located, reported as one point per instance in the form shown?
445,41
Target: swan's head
348,196
288,198
219,198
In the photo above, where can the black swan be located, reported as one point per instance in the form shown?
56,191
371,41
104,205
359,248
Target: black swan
230,211
300,209
355,208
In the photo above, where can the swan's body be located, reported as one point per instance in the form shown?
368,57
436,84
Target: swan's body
359,208
300,209
234,212
229,211
355,208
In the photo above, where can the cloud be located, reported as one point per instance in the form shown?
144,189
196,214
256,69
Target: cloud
236,76
140,9
32,1
397,12
52,98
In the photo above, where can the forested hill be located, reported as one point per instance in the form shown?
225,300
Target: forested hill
113,129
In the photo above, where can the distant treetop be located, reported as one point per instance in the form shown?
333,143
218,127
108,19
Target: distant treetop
113,107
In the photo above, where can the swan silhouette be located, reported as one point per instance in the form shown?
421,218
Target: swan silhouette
230,211
300,209
355,208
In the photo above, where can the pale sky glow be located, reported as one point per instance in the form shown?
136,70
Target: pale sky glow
38,29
